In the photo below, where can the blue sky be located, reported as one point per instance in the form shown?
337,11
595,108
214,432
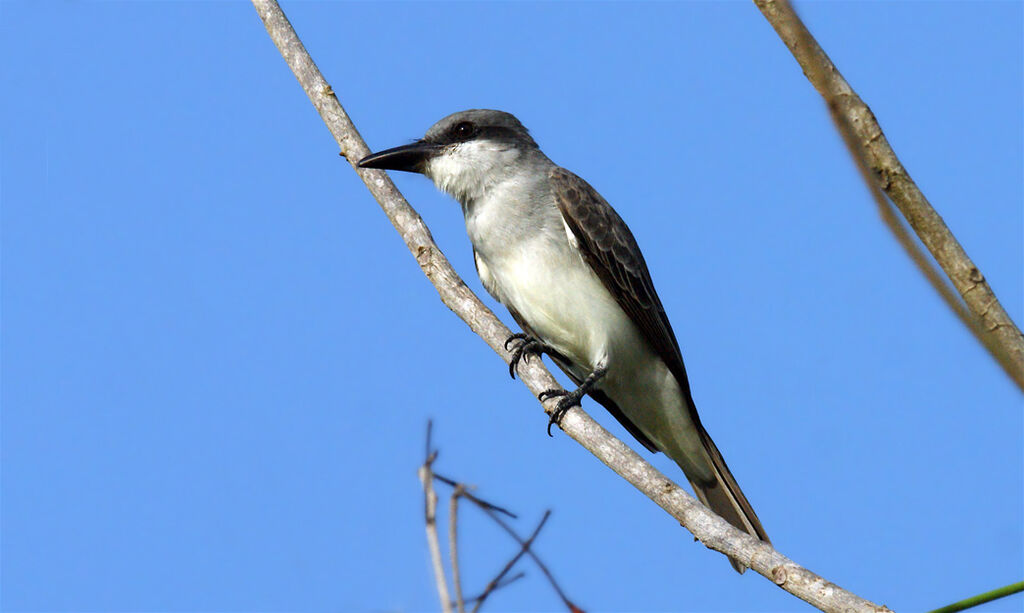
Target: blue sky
218,359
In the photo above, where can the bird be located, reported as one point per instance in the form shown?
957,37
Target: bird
554,252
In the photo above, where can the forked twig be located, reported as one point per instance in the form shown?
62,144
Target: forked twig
461,490
480,502
494,512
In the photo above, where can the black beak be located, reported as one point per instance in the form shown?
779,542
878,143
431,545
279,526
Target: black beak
409,158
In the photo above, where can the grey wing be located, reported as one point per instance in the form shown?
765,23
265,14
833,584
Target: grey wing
611,251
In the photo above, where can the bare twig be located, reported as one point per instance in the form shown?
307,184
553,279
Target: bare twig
480,502
430,519
984,315
504,582
492,511
710,529
453,545
536,560
981,599
524,547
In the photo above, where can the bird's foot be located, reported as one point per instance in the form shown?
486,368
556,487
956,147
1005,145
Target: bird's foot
525,347
571,399
567,401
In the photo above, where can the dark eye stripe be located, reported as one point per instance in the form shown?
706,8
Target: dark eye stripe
464,131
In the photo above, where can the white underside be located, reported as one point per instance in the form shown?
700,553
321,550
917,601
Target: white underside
567,306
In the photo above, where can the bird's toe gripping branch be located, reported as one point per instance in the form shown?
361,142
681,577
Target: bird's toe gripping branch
570,399
525,347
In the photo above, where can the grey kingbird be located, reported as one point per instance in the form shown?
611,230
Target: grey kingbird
552,250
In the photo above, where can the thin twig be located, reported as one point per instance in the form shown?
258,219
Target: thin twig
713,531
471,496
453,545
993,326
536,560
523,548
505,582
492,511
430,453
980,599
430,519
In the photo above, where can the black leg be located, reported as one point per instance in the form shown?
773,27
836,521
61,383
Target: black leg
527,346
570,399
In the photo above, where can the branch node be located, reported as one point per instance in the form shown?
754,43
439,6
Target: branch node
779,575
424,256
668,487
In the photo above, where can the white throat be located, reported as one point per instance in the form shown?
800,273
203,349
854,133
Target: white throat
468,171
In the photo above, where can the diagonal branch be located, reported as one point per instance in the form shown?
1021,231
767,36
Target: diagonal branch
503,583
980,599
710,529
886,209
984,315
480,502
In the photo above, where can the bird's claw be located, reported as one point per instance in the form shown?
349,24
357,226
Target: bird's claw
518,336
568,401
527,347
549,394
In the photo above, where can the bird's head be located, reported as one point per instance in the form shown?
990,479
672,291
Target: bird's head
463,154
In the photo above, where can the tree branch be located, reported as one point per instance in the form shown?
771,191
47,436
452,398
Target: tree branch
888,214
986,318
453,547
430,520
710,529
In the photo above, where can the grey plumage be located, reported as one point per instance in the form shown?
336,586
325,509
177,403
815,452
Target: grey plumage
552,250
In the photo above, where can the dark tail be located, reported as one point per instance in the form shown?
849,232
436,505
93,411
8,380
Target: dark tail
724,497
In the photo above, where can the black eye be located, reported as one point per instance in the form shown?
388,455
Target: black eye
463,130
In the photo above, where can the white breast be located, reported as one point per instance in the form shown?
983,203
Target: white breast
546,281
533,266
